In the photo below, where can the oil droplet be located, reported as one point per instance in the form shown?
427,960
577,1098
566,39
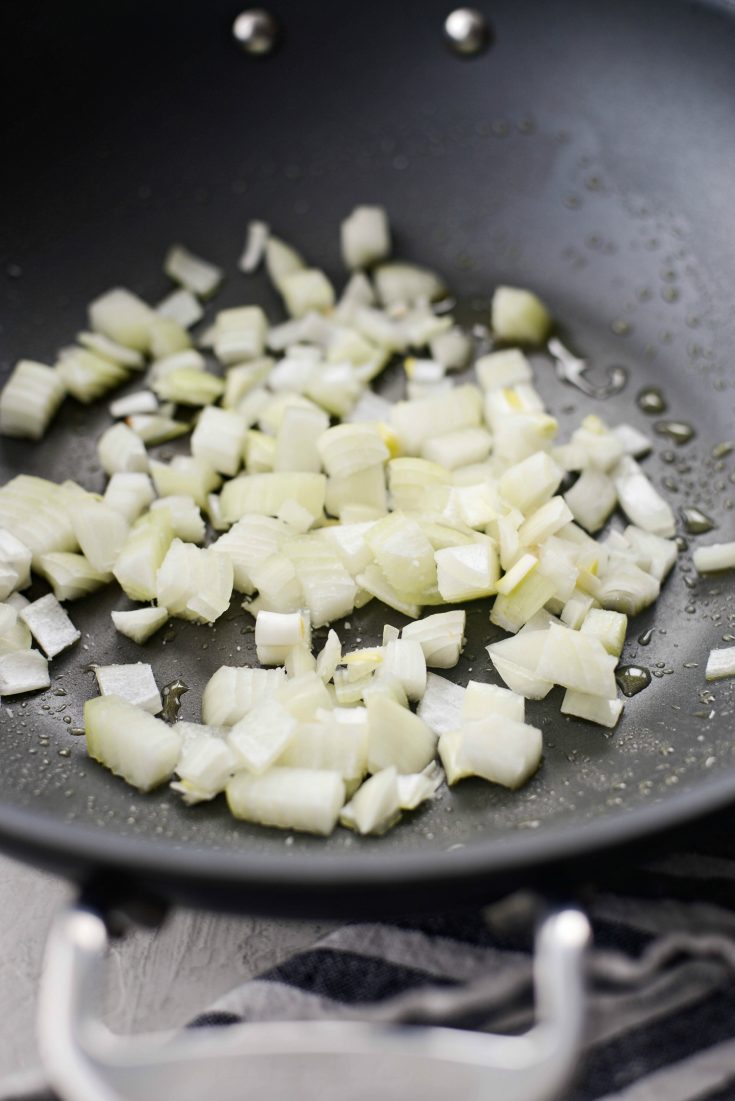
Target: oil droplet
691,665
668,456
621,327
679,432
681,543
59,691
690,582
721,449
172,694
651,401
695,521
77,731
646,637
632,679
65,753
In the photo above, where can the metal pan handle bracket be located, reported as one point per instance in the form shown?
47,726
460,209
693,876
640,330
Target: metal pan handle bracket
347,1060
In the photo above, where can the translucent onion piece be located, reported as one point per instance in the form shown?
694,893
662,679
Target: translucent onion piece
365,236
545,521
15,564
280,590
281,261
266,493
186,519
187,386
518,316
349,448
661,553
133,683
336,742
460,448
501,369
469,572
297,440
720,663
627,589
205,766
592,708
404,659
376,806
29,399
71,576
397,737
277,633
399,283
168,339
101,533
193,583
249,543
482,699
123,317
441,637
185,476
714,557
182,307
592,498
495,748
103,346
417,421
239,334
141,556
329,591
452,348
231,693
260,737
640,501
23,671
50,625
121,451
530,483
196,275
153,428
305,290
288,798
634,442
130,742
218,439
516,661
140,623
142,401
254,248
577,661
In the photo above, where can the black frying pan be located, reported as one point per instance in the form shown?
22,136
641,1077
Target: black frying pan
589,154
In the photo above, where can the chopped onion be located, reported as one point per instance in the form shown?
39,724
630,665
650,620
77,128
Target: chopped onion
50,625
153,428
218,439
29,399
544,522
452,348
297,439
281,261
607,626
640,501
193,583
519,316
468,572
714,557
15,564
661,553
329,657
276,634
251,542
288,798
121,451
205,766
329,591
376,806
628,589
141,556
418,787
404,659
305,696
168,339
182,307
441,637
142,401
260,737
23,671
265,494
576,609
516,661
185,476
140,623
196,275
242,381
103,346
279,589
720,663
71,576
499,370
398,284
123,317
529,484
634,443
417,421
460,448
130,742
231,693
592,708
239,334
397,737
182,359
577,661
186,519
592,498
189,386
337,742
133,683
255,245
365,236
481,700
495,748
441,705
305,290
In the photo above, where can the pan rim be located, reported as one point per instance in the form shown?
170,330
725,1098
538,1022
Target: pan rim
64,845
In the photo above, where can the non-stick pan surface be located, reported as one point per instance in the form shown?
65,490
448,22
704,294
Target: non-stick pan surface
590,154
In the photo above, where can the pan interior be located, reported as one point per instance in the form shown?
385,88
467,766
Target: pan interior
613,205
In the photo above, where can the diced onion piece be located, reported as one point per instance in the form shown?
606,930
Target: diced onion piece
101,533
441,637
87,376
204,767
188,386
297,439
452,348
121,451
520,436
373,581
640,501
14,635
23,671
279,589
265,494
577,661
153,428
481,700
232,692
365,236
417,421
37,512
185,476
306,695
404,659
182,307
460,448
576,609
29,399
329,657
299,661
349,448
627,589
142,401
190,271
305,290
602,447
186,519
418,787
519,316
281,261
133,683
528,484
660,552
50,625
255,246
512,610
592,498
123,317
468,572
329,591
441,705
103,346
607,626
168,339
276,634
501,369
403,553
183,358
142,554
71,576
714,557
363,490
243,380
634,442
720,663
140,623
592,708
496,748
260,737
516,661
288,798
251,542
397,737
376,806
130,742
193,583
398,283
218,439
336,742
239,334
544,522
15,564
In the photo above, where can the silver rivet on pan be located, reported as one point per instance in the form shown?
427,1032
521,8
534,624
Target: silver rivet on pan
255,31
466,31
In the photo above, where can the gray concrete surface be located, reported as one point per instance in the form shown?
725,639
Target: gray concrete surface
155,979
